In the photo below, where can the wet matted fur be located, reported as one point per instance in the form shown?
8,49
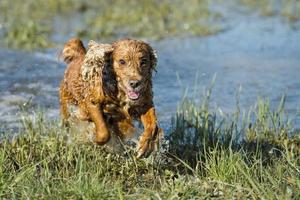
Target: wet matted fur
111,84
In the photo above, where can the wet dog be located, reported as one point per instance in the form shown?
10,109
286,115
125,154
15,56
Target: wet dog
111,84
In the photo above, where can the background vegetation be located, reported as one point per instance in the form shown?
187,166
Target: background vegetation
289,9
29,25
32,24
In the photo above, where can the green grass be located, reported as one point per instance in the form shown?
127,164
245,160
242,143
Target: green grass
208,155
289,9
151,19
29,25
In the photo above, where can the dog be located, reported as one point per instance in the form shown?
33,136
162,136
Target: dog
112,90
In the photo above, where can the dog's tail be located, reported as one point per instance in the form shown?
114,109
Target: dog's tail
73,50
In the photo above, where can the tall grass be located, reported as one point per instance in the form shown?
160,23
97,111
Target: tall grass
29,24
151,19
257,151
289,9
207,155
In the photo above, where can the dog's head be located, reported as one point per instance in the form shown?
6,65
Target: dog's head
126,66
133,62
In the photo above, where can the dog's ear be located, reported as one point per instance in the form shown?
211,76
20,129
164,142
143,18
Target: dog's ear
109,79
92,44
101,50
95,60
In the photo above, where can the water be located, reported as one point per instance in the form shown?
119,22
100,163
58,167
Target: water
260,55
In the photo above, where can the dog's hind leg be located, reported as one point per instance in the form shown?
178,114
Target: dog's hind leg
64,98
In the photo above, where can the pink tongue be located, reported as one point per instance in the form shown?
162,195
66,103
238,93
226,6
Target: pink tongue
133,95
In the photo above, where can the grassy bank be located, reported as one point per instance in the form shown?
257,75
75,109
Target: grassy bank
288,9
244,155
29,25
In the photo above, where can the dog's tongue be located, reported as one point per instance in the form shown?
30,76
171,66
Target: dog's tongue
133,95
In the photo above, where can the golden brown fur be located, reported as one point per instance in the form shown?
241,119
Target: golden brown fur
112,90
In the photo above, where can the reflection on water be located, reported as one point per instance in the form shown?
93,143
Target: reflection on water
260,55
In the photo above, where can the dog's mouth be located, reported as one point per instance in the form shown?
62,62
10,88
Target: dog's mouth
133,95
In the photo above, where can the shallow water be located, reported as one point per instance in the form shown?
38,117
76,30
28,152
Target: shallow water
260,55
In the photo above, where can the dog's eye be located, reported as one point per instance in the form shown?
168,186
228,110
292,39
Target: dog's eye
122,62
144,61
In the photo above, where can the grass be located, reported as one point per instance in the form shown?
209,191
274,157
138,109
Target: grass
151,19
289,9
208,155
29,25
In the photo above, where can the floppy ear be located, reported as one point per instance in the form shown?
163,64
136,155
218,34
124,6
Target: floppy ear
95,59
92,44
109,80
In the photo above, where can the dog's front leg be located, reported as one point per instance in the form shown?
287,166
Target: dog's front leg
149,140
96,115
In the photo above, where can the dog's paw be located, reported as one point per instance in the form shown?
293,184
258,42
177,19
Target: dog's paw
149,144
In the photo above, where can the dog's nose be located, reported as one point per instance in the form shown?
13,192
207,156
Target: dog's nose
134,83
